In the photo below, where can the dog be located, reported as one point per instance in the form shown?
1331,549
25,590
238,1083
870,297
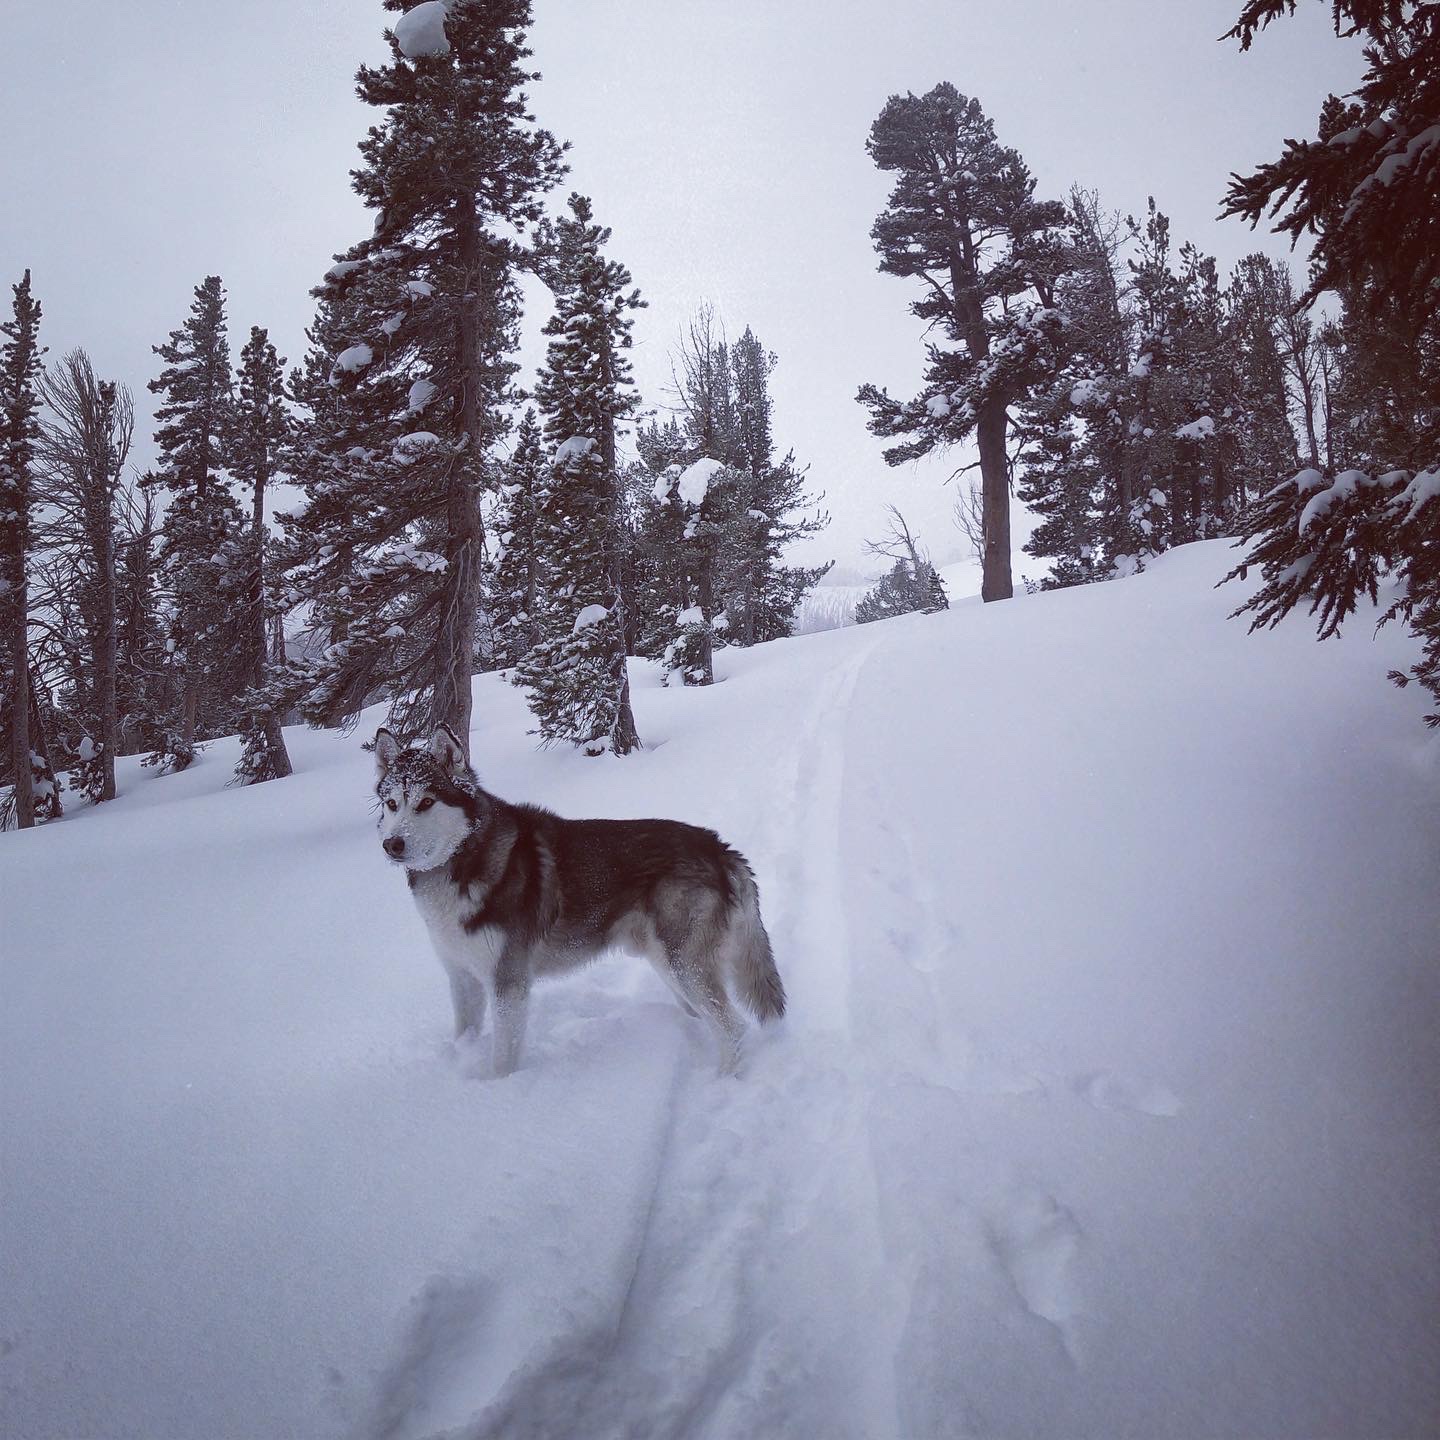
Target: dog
511,893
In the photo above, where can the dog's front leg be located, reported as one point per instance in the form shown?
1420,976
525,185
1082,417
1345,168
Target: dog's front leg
467,992
512,999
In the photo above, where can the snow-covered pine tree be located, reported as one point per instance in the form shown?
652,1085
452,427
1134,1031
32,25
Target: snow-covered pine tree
422,317
19,433
901,591
257,444
659,585
84,446
577,685
761,593
1073,433
515,592
962,218
716,511
1167,406
1369,188
201,552
1261,329
139,631
912,582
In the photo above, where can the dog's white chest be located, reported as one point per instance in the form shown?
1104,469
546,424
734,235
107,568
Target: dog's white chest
444,909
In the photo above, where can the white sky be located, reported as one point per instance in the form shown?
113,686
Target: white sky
165,140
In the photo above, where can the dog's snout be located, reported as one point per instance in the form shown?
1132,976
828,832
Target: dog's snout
395,846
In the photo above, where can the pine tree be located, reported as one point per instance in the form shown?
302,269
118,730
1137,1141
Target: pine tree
422,318
711,539
201,552
576,675
139,627
962,218
1369,187
83,451
912,583
19,433
514,597
257,443
761,593
903,591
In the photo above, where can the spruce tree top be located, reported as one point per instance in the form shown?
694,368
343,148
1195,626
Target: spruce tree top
962,218
194,417
458,138
19,404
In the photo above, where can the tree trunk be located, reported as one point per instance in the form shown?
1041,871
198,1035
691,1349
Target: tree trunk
190,705
450,702
707,606
996,582
106,664
277,757
625,737
20,709
47,806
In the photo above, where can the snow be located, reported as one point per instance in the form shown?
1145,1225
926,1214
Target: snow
693,616
420,289
409,448
1140,370
392,323
1086,392
568,452
694,482
1104,1106
422,392
589,616
342,268
1201,429
938,406
1418,493
355,358
1343,487
420,32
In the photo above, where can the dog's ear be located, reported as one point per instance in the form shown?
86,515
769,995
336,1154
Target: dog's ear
387,747
447,751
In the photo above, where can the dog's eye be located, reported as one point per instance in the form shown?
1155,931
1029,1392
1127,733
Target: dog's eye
391,805
424,805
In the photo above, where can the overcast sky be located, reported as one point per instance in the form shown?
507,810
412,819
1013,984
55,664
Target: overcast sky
150,143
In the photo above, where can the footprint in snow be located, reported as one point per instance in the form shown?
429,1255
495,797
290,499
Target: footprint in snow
1037,1240
1106,1090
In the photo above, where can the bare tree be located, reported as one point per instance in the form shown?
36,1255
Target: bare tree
898,543
970,517
84,445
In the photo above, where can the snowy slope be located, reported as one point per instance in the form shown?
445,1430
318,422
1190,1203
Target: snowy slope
1106,1104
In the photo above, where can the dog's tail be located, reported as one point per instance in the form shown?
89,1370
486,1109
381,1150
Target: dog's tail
756,977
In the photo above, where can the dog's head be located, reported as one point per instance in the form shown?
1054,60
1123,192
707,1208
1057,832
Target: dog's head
429,798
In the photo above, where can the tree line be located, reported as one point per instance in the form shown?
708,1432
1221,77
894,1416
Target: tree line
448,521
1132,396
1136,399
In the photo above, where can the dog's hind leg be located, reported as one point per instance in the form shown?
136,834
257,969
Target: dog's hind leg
467,993
641,939
512,1002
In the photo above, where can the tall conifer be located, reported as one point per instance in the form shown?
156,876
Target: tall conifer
421,321
576,677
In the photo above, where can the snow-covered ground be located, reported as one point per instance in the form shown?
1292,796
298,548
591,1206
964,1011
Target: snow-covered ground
1106,1106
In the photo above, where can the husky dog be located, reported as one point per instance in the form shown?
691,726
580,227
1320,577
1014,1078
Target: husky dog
511,892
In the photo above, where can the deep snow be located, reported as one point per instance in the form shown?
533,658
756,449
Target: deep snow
1106,1105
